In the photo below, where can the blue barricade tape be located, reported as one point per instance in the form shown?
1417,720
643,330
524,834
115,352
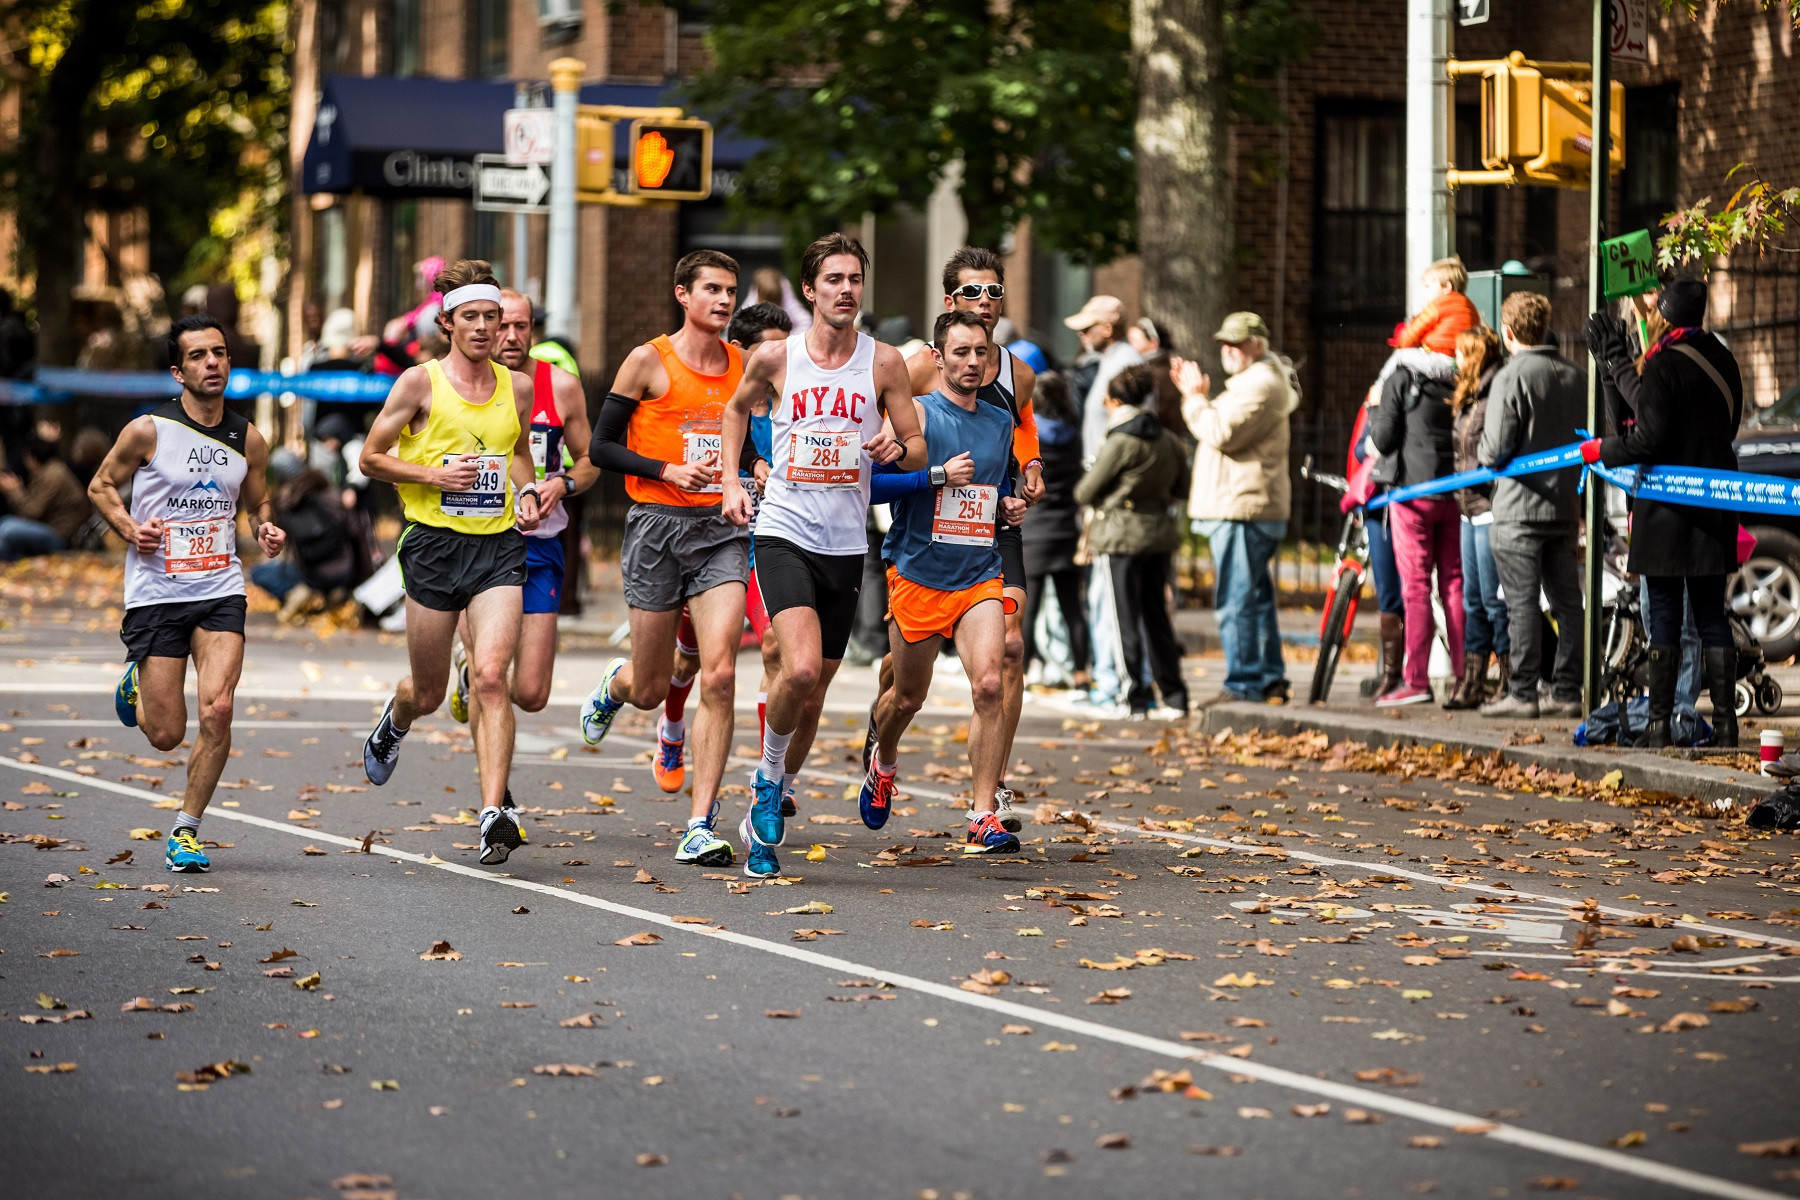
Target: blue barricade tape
17,391
55,384
1530,464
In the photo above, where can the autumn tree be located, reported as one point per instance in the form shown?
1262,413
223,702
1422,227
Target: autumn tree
175,107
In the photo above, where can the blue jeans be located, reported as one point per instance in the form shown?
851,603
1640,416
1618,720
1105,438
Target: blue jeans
1687,681
1382,569
1244,601
23,538
277,578
1484,612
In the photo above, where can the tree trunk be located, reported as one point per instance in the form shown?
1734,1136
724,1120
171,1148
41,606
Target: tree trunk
1183,138
60,222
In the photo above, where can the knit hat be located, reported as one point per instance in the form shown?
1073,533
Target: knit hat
1683,302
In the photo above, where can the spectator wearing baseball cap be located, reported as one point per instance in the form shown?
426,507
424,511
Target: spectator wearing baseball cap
1101,324
1240,495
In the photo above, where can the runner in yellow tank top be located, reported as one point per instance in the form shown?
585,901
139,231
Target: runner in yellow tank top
454,438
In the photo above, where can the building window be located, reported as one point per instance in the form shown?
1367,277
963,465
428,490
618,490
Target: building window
1360,225
1542,228
1475,207
408,40
488,41
400,280
1647,187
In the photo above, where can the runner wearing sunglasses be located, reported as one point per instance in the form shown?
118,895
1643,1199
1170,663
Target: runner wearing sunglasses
974,281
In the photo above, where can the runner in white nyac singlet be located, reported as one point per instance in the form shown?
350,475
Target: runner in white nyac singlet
192,467
833,387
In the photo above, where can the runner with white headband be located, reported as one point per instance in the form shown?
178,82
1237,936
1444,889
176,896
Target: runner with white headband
454,437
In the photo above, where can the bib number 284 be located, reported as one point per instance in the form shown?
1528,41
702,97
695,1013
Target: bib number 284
829,460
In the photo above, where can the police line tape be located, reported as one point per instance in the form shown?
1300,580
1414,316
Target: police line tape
57,385
1700,487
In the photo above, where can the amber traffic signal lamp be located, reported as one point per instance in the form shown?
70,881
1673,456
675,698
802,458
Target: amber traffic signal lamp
1537,121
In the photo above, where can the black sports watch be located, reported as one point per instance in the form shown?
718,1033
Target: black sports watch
938,476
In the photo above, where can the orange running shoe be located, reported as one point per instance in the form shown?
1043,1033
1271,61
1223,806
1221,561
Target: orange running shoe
668,769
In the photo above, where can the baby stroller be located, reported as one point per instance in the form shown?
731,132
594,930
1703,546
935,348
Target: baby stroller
1626,666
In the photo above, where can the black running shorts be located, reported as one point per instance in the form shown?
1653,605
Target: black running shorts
167,630
826,583
444,569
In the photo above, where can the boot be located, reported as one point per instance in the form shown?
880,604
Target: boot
1471,692
1504,680
1719,666
1393,652
1665,664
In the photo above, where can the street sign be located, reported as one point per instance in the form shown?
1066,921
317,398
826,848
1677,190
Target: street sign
530,137
1472,12
501,187
1629,22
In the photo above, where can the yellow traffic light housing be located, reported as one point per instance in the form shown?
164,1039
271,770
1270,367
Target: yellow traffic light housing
593,153
670,159
1537,123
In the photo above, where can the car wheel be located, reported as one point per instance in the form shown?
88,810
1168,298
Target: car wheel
1765,593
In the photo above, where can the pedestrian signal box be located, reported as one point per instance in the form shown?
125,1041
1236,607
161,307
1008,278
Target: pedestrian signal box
670,160
1537,121
593,152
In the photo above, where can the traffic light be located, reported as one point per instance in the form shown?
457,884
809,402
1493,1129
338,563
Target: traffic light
1537,123
593,151
670,159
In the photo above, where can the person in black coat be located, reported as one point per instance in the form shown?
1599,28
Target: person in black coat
1052,529
1689,401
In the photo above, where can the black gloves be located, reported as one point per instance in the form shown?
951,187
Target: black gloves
1606,338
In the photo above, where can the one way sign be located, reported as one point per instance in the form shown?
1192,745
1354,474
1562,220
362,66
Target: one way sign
503,188
1471,12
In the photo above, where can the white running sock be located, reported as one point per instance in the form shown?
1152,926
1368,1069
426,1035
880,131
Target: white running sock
774,756
488,814
787,783
186,820
886,768
674,731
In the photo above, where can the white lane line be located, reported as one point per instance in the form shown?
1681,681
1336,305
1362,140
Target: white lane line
1430,1114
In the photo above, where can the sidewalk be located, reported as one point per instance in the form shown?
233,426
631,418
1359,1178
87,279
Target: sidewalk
1721,775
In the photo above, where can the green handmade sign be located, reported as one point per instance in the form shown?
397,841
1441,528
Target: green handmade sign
1629,266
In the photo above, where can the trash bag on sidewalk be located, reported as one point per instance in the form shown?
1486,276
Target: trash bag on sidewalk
1777,810
1606,727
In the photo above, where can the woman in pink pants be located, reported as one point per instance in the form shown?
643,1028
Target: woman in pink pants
1411,429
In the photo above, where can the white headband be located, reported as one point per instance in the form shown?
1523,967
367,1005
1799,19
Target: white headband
471,291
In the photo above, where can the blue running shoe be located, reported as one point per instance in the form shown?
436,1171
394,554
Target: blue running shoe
765,819
381,750
877,799
599,709
125,697
184,853
788,807
759,860
990,837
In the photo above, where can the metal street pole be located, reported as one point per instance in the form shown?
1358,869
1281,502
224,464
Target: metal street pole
559,269
1595,508
521,246
1428,227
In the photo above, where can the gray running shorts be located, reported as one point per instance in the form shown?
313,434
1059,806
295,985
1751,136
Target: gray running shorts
671,553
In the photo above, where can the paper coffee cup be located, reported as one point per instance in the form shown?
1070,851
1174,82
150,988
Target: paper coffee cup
1774,744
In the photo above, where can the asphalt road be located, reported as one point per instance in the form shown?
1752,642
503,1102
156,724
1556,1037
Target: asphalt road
1353,978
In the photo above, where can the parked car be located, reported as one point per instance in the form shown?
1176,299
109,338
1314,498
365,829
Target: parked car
1766,589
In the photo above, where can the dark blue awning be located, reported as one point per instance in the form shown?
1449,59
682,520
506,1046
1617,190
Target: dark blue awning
417,137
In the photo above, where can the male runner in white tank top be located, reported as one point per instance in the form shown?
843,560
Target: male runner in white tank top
832,387
192,466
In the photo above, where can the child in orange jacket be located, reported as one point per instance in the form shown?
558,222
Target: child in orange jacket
1446,315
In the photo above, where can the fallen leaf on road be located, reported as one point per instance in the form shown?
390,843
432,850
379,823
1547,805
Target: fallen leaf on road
1113,1141
518,1004
1031,932
144,835
1553,1183
1475,1127
1684,1020
280,956
520,911
1636,1137
564,1069
338,1103
1247,980
1425,1142
1780,1148
79,1014
1111,996
1254,1113
46,1001
582,1021
279,973
120,857
640,939
1219,1151
61,1068
1362,1116
811,908
59,953
694,920
815,854
652,1160
1310,1110
782,1014
441,952
308,983
1018,1029
812,935
212,1072
1058,1046
384,1085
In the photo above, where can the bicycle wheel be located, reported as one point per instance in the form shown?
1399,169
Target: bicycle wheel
1334,633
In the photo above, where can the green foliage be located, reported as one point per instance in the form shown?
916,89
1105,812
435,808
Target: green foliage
1756,215
187,116
1692,7
863,105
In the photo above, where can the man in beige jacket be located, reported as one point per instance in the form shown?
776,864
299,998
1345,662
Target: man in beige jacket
1240,496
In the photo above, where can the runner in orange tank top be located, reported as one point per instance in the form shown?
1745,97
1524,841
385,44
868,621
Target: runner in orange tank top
659,427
